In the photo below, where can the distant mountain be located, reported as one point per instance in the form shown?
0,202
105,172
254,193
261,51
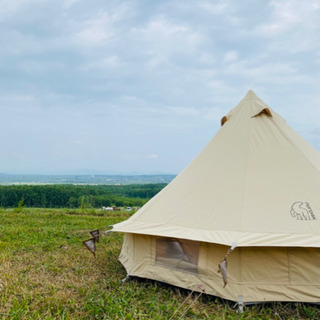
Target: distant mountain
8,179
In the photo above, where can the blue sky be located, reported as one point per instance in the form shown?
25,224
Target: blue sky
141,86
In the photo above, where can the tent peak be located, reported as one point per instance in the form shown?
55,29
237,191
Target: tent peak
251,95
250,106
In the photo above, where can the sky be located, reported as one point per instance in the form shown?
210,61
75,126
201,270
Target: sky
139,87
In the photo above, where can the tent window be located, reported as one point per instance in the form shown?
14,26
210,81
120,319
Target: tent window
178,254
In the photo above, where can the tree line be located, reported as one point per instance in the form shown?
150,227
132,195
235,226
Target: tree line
75,196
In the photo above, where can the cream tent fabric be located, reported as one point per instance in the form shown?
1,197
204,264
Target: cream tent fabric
243,189
255,185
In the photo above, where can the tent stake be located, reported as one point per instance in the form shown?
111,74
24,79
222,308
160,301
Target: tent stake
240,304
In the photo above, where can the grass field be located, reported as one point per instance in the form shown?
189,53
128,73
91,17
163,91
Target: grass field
46,273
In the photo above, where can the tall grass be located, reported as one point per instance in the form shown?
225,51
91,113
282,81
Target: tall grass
46,273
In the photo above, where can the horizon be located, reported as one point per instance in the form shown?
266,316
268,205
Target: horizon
82,179
88,174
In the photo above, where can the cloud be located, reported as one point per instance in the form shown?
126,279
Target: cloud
95,32
231,56
254,73
7,8
213,8
184,110
140,76
152,156
69,3
18,43
289,15
164,39
16,99
293,25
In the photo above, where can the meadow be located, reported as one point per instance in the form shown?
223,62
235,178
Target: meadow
47,273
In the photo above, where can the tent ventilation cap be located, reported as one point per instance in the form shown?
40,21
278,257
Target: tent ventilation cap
265,111
223,120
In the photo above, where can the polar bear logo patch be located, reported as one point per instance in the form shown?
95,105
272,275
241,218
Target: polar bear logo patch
302,211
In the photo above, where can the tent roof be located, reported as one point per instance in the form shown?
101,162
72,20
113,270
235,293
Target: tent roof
257,183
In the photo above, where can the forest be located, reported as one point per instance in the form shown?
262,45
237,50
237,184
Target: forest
75,196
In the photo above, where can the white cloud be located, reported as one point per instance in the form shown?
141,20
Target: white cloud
206,58
95,32
163,39
141,76
152,156
219,87
213,8
183,110
278,73
69,3
7,8
231,56
293,25
17,98
290,14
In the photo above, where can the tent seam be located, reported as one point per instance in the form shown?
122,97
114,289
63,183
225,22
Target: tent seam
246,173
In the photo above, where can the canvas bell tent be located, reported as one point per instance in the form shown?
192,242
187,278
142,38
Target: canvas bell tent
242,221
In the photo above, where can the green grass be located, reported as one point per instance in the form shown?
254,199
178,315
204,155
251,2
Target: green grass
46,273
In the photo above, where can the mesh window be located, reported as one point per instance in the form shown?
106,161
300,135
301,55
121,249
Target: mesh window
178,254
